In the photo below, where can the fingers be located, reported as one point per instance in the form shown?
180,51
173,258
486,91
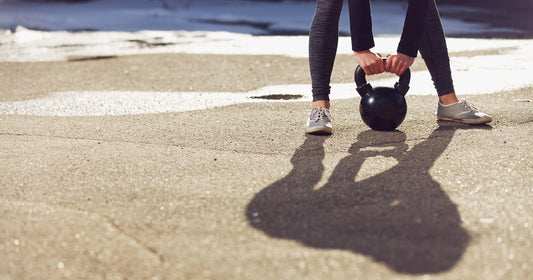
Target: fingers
375,67
388,63
370,62
373,64
394,65
397,64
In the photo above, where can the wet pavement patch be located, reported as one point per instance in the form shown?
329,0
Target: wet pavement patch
69,46
278,97
146,44
87,58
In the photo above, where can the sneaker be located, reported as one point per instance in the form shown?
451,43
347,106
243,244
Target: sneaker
319,121
463,112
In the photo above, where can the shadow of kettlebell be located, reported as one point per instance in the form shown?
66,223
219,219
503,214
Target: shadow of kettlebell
382,108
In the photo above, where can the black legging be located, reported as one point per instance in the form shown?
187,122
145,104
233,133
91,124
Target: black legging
323,41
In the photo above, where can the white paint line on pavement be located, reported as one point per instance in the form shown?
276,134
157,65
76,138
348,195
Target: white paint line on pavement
113,103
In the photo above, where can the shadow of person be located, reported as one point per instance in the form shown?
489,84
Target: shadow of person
400,217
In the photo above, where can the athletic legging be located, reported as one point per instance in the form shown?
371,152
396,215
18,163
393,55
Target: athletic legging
323,41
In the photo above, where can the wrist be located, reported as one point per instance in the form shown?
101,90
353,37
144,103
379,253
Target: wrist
405,55
362,52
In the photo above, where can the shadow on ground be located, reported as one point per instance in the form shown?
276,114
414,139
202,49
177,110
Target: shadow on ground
400,217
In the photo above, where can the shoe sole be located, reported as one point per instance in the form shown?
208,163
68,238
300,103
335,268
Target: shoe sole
466,121
319,130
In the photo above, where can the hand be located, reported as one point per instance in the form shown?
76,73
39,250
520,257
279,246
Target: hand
370,62
398,63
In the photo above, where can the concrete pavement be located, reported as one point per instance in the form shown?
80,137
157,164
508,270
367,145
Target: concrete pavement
239,192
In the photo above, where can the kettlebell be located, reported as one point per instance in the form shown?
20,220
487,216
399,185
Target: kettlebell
382,108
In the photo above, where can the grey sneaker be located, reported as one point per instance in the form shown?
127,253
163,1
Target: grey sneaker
463,112
319,122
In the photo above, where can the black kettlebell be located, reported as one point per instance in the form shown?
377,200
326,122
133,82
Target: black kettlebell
382,108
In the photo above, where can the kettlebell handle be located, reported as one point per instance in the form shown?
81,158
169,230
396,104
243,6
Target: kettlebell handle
363,87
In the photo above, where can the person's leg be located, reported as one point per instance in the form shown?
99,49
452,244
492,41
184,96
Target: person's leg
435,54
323,40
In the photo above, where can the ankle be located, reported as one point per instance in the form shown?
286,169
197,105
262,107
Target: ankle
448,99
320,103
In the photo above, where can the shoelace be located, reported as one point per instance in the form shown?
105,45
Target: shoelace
468,105
320,113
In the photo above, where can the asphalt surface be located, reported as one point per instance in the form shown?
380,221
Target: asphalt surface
240,192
